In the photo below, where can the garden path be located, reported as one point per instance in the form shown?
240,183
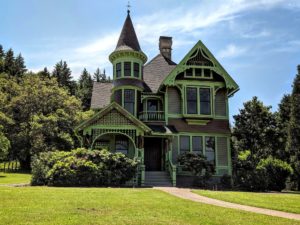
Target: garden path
187,194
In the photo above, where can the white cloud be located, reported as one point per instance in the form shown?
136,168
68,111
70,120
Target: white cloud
231,51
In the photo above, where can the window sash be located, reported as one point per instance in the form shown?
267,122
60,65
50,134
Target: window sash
210,149
192,99
197,144
184,144
129,100
136,69
205,104
118,70
127,69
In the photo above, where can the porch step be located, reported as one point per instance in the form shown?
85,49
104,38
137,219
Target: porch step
157,179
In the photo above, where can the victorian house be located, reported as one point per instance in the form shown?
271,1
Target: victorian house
156,109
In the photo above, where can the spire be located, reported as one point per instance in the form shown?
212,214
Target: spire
128,38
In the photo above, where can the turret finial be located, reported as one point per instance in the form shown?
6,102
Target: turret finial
128,7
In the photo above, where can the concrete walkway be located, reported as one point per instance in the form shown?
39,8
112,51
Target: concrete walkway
187,194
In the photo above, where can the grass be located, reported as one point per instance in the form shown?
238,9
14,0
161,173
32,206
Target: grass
45,205
14,178
288,202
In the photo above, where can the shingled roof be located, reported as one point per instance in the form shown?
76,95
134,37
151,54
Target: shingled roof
128,39
156,70
101,95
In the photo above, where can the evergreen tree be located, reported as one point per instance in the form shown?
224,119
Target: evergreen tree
293,143
97,75
44,73
63,75
20,67
2,54
9,62
85,88
103,77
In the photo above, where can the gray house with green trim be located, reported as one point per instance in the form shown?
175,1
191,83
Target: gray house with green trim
155,110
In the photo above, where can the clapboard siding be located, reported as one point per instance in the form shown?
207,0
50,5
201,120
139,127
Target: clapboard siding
174,101
220,103
222,151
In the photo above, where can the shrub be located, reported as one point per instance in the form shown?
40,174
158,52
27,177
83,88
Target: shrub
82,167
276,171
226,181
198,165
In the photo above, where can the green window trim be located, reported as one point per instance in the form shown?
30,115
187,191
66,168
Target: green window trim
198,72
187,100
127,68
121,97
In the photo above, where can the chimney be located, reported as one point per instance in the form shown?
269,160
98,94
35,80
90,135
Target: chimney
165,46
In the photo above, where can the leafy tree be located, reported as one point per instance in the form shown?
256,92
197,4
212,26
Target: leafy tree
256,130
43,116
4,145
293,141
63,75
85,88
20,67
9,62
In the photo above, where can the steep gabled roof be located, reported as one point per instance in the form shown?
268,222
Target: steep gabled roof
108,109
217,67
101,95
128,39
156,71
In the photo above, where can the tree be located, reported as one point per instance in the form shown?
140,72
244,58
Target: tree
4,145
43,116
9,62
256,130
44,73
2,54
293,140
20,67
63,75
85,88
97,75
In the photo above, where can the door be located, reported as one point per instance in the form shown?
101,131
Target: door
153,154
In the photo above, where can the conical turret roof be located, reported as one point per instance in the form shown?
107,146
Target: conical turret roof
128,39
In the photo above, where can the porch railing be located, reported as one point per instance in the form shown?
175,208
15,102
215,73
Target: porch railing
152,116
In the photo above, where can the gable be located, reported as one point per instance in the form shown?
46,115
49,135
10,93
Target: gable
115,116
199,56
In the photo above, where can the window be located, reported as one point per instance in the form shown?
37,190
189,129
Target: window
189,72
127,69
197,145
136,70
122,144
129,100
184,144
191,97
207,73
205,108
118,70
198,72
210,149
152,105
118,97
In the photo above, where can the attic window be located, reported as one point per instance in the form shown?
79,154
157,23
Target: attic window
189,72
127,69
136,70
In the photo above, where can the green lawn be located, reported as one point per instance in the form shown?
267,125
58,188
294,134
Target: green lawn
44,205
14,178
289,202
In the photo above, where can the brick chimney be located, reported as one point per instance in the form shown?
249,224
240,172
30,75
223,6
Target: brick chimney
165,46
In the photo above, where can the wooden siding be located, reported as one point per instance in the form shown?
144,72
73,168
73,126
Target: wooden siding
174,101
222,151
220,103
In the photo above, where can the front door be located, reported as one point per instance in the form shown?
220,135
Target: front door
153,154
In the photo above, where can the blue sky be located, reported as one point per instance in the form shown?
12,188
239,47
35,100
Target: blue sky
257,41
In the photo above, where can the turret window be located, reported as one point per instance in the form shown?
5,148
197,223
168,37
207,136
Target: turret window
127,69
136,70
118,70
129,100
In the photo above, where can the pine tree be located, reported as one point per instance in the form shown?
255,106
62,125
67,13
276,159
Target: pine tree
63,75
293,143
2,54
44,73
103,77
85,88
9,62
97,75
20,67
